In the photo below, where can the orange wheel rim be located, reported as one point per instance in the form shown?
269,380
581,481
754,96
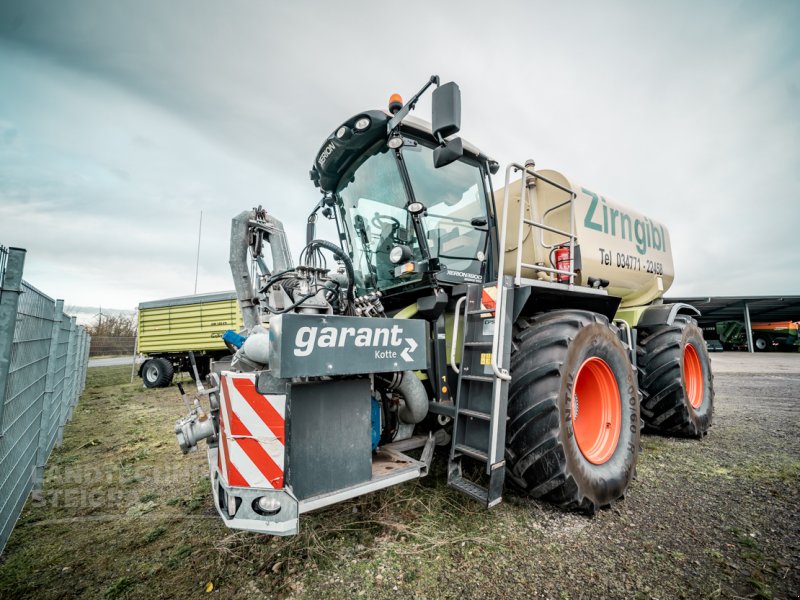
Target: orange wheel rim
692,376
596,410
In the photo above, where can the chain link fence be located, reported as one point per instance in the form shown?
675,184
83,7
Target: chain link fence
43,358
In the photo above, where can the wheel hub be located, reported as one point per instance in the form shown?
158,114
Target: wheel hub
692,376
598,423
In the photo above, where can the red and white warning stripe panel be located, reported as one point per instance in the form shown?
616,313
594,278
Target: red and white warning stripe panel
488,300
252,433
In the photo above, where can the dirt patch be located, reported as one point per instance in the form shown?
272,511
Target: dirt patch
124,515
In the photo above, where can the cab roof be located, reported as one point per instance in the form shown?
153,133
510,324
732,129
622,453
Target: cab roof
352,138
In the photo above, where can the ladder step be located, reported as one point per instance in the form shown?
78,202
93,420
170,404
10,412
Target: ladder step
484,378
484,344
473,490
472,452
442,408
477,414
482,311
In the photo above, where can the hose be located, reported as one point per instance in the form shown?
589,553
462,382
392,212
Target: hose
348,264
413,392
297,302
276,278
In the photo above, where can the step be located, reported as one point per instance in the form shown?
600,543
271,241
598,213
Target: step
484,378
477,414
471,452
473,490
483,311
442,408
479,344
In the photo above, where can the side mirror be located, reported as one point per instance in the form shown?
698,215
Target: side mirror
449,152
446,113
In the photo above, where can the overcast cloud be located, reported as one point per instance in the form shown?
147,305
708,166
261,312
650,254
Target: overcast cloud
121,121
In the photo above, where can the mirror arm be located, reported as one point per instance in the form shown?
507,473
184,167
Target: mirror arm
419,229
311,223
408,106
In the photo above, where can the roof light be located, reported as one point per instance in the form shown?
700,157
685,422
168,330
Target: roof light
362,124
395,142
395,103
344,133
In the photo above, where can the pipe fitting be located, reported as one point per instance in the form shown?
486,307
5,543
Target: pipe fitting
191,429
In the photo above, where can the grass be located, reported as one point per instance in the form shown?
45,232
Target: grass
124,515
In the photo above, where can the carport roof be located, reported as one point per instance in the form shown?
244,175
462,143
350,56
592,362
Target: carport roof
762,308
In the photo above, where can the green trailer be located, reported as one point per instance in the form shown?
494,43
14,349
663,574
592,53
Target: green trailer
168,330
779,336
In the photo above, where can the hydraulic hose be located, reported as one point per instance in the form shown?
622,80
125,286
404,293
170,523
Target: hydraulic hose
348,264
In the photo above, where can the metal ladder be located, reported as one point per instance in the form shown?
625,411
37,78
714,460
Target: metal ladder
525,201
479,421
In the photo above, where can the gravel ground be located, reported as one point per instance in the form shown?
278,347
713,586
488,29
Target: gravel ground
703,519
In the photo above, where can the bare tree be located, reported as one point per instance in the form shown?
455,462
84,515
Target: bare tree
113,326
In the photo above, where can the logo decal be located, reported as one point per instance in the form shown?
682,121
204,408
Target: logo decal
646,234
386,341
326,152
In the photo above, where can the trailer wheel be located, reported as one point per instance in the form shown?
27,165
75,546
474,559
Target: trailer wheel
676,380
762,344
157,372
573,411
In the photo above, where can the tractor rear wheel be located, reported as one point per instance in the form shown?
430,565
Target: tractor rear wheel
157,372
675,379
573,411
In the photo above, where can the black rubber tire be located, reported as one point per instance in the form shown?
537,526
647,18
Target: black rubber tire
762,343
543,458
157,372
203,368
665,403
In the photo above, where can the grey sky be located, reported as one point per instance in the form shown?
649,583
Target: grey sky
120,121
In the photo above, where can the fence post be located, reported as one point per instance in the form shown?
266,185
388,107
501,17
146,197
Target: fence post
88,339
10,289
75,343
69,378
79,374
133,358
47,405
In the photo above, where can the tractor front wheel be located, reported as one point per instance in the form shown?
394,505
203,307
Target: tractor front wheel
573,411
675,379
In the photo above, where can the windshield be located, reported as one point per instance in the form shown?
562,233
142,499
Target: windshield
373,200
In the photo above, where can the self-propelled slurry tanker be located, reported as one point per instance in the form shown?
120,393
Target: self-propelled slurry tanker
521,328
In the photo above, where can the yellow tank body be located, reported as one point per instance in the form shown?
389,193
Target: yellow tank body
628,249
187,323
